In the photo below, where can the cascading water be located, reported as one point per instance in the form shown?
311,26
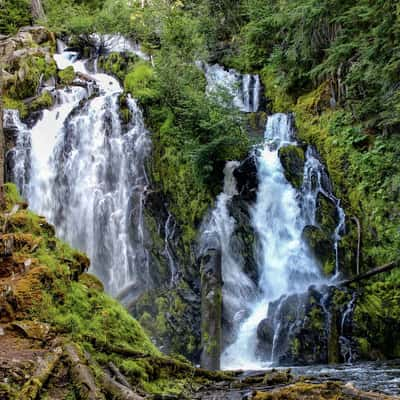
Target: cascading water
84,170
245,90
286,264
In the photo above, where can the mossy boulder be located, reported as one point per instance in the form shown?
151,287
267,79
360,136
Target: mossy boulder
292,160
91,282
326,216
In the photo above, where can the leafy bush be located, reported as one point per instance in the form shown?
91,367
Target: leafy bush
67,75
13,15
140,82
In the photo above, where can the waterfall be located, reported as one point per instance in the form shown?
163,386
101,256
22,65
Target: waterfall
285,263
244,89
84,170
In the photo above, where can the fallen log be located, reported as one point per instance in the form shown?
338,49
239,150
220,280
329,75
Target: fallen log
44,368
375,271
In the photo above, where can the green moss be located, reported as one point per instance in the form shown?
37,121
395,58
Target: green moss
317,319
296,347
67,75
12,195
16,105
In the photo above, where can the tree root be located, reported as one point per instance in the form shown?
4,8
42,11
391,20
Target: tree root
119,377
116,390
45,367
82,375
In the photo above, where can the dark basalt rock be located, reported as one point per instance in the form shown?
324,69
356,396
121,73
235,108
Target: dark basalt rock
322,246
292,160
247,179
309,328
243,237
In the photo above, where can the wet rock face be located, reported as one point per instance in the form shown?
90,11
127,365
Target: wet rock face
243,238
247,179
327,217
292,160
310,328
296,326
169,311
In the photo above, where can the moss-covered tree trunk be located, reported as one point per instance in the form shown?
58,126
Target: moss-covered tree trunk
37,10
2,142
211,309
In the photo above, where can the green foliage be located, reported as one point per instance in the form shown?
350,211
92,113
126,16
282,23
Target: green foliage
118,64
45,100
67,75
84,17
376,318
353,45
140,83
13,15
16,105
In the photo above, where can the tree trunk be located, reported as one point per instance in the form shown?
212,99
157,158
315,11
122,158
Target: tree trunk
37,10
2,143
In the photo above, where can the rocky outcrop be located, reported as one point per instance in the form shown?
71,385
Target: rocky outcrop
247,179
27,60
243,237
321,243
309,328
292,160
